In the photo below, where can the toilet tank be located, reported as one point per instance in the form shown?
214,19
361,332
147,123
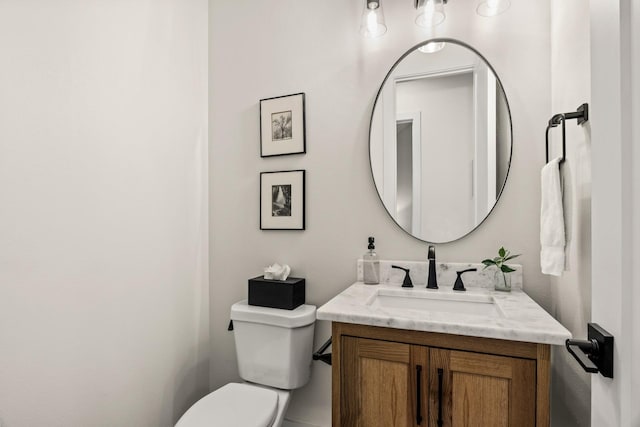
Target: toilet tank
274,346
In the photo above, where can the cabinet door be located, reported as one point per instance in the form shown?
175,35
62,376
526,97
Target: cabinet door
471,389
380,383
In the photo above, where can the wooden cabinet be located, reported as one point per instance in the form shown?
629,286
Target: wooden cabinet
377,383
395,378
476,389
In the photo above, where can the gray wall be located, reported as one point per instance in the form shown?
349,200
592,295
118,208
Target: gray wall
571,293
405,174
104,316
264,49
503,139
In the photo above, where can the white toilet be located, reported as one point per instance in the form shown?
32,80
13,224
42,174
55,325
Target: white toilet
274,350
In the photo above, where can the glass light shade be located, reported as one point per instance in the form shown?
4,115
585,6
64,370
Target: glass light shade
430,13
372,24
492,7
431,47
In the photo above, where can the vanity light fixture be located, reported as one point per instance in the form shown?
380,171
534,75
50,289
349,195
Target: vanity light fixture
490,8
372,24
430,12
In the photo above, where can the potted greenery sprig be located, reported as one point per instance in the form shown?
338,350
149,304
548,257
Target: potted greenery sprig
502,274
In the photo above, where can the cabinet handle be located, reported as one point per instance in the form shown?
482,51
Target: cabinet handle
440,375
418,397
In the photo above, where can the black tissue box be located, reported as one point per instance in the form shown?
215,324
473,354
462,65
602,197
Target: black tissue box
286,294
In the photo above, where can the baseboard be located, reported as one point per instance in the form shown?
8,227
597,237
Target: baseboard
291,423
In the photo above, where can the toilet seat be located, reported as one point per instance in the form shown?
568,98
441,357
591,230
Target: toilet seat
234,405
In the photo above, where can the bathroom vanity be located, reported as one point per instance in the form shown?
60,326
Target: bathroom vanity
421,357
440,357
388,377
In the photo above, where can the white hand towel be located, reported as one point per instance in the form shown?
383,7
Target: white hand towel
552,238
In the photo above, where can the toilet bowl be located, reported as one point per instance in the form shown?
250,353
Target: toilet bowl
273,348
238,405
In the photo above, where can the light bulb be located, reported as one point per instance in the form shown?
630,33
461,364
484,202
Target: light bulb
492,7
430,13
372,23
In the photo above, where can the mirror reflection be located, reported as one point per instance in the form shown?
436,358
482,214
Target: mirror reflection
440,141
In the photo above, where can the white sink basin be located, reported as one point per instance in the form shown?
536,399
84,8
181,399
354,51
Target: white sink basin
468,304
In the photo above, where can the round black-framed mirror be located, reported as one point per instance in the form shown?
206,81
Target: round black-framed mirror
440,140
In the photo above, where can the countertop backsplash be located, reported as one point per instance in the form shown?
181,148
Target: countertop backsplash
445,273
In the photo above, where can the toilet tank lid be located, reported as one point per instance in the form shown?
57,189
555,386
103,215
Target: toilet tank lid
303,315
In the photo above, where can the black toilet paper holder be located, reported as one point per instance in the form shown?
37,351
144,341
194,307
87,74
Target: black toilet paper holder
321,355
594,354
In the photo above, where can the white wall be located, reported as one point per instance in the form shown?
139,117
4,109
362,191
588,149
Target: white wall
615,88
571,302
263,49
634,37
103,221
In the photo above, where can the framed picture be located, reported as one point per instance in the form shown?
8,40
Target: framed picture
282,125
282,200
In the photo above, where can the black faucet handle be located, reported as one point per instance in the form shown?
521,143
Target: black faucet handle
406,283
459,285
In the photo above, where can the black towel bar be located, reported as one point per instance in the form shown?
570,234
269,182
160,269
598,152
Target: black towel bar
581,114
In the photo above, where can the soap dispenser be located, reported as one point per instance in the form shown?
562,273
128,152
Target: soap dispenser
371,265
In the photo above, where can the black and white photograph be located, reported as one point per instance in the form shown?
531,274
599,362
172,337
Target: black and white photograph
282,200
282,125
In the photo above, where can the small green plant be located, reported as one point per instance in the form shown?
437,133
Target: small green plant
499,261
502,268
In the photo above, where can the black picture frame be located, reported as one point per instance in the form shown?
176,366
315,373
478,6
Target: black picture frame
288,138
282,200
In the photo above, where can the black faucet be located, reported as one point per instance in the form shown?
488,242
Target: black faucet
459,285
432,281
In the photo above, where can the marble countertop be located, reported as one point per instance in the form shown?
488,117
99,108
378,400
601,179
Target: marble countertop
520,318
